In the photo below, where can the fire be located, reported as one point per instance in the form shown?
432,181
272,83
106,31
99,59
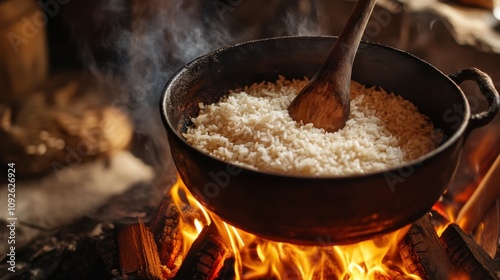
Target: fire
447,212
256,258
191,226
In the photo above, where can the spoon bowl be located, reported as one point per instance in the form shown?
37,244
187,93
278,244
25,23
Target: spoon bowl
324,101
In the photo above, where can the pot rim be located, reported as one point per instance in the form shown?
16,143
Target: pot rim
449,141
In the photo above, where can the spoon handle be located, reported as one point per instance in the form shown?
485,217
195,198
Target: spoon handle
325,100
346,46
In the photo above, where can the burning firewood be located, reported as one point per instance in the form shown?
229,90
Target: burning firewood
205,257
137,252
423,253
390,274
467,255
227,271
164,224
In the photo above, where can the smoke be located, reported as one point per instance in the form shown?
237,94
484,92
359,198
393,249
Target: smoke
146,44
149,41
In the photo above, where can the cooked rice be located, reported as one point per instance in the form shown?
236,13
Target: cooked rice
252,128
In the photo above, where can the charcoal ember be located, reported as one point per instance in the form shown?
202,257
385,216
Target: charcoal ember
38,260
65,254
107,249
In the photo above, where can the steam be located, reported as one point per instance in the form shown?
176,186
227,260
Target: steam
303,20
150,42
164,36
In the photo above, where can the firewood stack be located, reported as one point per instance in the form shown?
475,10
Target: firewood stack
204,259
454,254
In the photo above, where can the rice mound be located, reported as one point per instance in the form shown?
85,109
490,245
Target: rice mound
252,128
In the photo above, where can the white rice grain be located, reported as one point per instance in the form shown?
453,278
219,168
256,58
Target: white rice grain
252,128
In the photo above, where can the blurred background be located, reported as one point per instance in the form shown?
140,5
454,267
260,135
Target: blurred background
81,81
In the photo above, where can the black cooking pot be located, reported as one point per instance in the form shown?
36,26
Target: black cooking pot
320,210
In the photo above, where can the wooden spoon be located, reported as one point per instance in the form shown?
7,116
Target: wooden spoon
324,101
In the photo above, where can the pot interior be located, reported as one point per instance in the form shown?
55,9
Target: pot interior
212,76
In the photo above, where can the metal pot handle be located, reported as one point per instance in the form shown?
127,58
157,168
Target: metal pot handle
486,87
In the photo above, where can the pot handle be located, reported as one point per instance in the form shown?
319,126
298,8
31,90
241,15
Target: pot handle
486,87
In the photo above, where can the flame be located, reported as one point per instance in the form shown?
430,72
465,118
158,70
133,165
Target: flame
447,213
256,258
191,222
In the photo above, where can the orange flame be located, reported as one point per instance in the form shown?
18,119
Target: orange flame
256,258
448,215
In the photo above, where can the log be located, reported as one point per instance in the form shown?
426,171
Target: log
467,256
227,271
481,200
164,224
137,252
205,257
423,254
